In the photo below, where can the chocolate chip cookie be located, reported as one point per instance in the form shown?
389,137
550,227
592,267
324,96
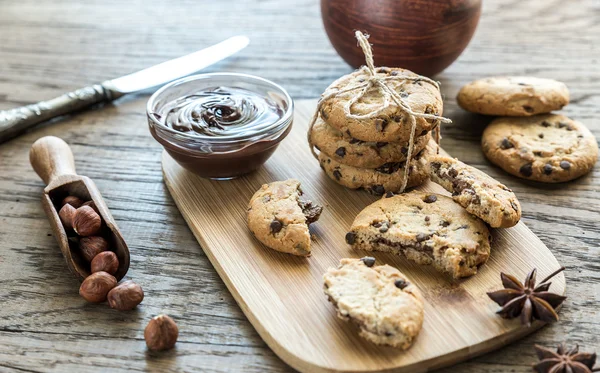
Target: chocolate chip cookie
426,228
279,217
518,96
548,148
392,124
358,153
378,181
476,191
385,305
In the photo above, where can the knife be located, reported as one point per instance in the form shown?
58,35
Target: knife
14,122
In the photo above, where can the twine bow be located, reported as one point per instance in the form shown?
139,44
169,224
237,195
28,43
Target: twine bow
390,97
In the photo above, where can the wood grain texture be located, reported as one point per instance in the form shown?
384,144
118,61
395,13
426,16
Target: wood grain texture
52,47
282,295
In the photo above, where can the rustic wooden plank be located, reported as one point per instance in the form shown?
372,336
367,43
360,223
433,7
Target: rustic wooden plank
47,48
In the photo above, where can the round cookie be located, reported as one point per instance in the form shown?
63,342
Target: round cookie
548,148
378,181
358,153
279,217
477,192
392,124
518,96
386,306
427,228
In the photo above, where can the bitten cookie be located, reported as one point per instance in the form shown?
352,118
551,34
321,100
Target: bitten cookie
476,191
548,148
279,217
385,305
513,96
426,228
378,181
391,124
358,153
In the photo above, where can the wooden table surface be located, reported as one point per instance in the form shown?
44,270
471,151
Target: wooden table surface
47,48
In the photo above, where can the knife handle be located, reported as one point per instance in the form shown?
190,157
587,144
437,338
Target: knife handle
14,122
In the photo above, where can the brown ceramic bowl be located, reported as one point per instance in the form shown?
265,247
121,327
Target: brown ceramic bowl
424,36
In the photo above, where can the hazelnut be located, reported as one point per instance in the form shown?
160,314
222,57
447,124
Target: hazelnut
105,261
161,333
73,201
66,214
86,221
125,296
92,204
92,246
96,286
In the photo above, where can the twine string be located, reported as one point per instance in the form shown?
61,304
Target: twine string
390,96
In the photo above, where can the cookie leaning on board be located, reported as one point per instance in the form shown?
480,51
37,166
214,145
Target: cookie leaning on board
477,192
278,217
427,228
380,300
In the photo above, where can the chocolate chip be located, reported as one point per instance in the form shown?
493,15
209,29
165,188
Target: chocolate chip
514,206
547,169
376,224
324,114
506,144
565,165
354,141
368,260
380,124
526,169
384,228
445,223
337,174
341,152
528,108
266,198
276,226
422,237
394,73
424,133
397,118
350,238
430,198
541,135
522,84
404,94
389,194
378,190
401,284
380,144
452,172
348,133
546,123
537,154
563,124
404,150
383,70
427,218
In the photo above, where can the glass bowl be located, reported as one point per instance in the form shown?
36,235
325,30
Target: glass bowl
225,155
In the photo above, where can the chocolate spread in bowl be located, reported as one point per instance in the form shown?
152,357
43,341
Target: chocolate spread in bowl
221,131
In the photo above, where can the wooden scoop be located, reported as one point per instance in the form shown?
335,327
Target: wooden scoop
52,160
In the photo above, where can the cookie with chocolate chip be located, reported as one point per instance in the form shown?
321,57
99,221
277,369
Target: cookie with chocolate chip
548,148
279,216
378,181
477,192
358,153
519,96
392,124
385,305
427,228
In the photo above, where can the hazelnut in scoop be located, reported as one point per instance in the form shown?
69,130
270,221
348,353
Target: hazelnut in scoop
92,246
66,214
106,261
86,222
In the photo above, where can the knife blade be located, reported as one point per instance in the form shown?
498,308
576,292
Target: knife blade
14,122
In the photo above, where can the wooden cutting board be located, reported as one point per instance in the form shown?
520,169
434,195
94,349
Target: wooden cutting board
282,295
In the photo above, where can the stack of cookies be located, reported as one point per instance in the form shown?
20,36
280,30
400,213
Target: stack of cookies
364,141
527,140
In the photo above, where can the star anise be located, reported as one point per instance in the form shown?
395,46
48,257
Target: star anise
529,301
564,361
